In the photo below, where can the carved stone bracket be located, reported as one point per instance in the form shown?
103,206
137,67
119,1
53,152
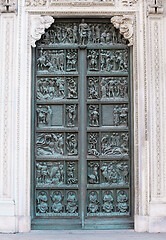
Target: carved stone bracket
125,25
155,7
38,25
8,6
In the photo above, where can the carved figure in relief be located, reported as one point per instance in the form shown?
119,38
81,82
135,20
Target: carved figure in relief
93,206
44,114
71,171
71,60
41,61
97,33
120,115
72,88
60,88
51,60
42,202
93,140
123,172
42,173
75,33
83,32
72,205
93,60
71,115
94,175
93,88
103,88
111,92
115,144
123,89
122,201
57,198
114,88
50,88
109,173
57,174
125,143
115,173
94,115
71,143
107,202
49,144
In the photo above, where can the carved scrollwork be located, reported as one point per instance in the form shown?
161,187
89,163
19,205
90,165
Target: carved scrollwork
93,144
125,24
38,25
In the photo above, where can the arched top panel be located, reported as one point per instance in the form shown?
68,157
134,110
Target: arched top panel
82,32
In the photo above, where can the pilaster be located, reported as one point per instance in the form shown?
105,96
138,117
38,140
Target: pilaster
156,78
7,127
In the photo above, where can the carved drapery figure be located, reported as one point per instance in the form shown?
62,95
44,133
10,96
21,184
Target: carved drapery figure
93,206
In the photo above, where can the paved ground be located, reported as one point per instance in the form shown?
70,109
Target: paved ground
83,235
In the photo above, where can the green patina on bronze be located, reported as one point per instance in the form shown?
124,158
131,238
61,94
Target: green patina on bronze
81,153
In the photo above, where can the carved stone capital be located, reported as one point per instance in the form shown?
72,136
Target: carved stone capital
8,6
125,25
38,25
155,7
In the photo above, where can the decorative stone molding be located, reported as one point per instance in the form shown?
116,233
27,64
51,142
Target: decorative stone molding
8,6
34,3
155,7
129,2
125,25
38,25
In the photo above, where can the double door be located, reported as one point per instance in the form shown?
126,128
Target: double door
81,151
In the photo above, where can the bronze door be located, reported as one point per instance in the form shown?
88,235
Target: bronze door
81,127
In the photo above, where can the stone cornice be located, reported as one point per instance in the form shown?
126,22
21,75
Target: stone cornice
38,25
125,25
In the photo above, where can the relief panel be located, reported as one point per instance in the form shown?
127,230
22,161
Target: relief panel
57,203
108,173
108,88
51,173
50,61
53,88
111,144
81,33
